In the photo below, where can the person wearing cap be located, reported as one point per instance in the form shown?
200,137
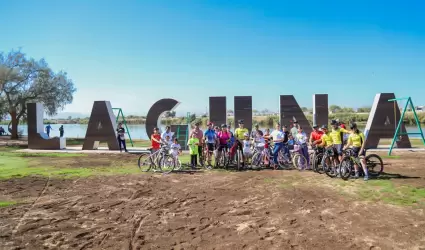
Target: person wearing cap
315,136
200,135
337,138
240,135
358,142
247,143
256,131
294,129
210,138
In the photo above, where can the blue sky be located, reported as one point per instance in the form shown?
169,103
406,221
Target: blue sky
134,53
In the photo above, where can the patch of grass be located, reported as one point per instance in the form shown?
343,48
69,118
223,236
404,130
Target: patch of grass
7,203
386,191
390,156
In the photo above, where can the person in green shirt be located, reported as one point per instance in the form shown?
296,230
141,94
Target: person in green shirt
193,144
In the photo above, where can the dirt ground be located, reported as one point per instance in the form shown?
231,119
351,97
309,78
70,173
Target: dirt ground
210,210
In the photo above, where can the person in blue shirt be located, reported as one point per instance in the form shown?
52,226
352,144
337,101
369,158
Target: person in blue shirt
48,128
210,138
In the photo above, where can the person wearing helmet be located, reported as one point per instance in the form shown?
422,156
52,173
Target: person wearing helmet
357,141
223,139
327,143
247,153
240,135
337,137
200,135
210,138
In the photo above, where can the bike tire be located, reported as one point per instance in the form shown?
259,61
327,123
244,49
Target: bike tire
145,162
329,171
346,167
374,166
167,164
298,162
317,162
256,160
238,160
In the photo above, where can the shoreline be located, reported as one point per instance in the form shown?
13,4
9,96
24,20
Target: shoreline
267,120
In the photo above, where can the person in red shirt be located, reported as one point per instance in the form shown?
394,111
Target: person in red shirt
316,135
155,140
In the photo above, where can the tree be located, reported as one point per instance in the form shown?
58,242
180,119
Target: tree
230,111
347,110
24,80
335,108
304,109
364,110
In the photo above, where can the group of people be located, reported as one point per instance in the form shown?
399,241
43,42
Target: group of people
217,139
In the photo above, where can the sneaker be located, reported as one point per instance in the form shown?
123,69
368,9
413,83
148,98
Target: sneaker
356,176
366,178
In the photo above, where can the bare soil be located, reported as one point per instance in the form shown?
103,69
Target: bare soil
211,210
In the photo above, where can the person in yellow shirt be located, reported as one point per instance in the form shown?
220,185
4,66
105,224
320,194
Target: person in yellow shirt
337,134
327,142
357,141
240,135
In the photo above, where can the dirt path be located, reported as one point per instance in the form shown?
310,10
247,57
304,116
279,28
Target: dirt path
202,211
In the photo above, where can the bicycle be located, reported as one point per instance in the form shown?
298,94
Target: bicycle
224,159
160,161
261,158
348,162
329,165
298,159
316,159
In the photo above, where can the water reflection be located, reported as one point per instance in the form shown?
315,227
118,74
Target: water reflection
136,131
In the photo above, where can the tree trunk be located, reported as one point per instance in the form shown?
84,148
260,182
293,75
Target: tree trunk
14,132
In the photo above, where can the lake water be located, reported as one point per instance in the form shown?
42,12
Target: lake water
136,131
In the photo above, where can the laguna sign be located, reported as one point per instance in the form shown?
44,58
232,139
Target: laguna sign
102,123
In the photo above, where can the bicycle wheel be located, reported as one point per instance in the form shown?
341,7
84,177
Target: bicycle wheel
317,163
145,162
239,158
346,167
167,164
178,165
329,167
375,165
256,160
300,162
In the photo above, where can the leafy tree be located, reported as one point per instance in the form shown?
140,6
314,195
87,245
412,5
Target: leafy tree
304,109
335,108
230,111
24,80
364,110
347,110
